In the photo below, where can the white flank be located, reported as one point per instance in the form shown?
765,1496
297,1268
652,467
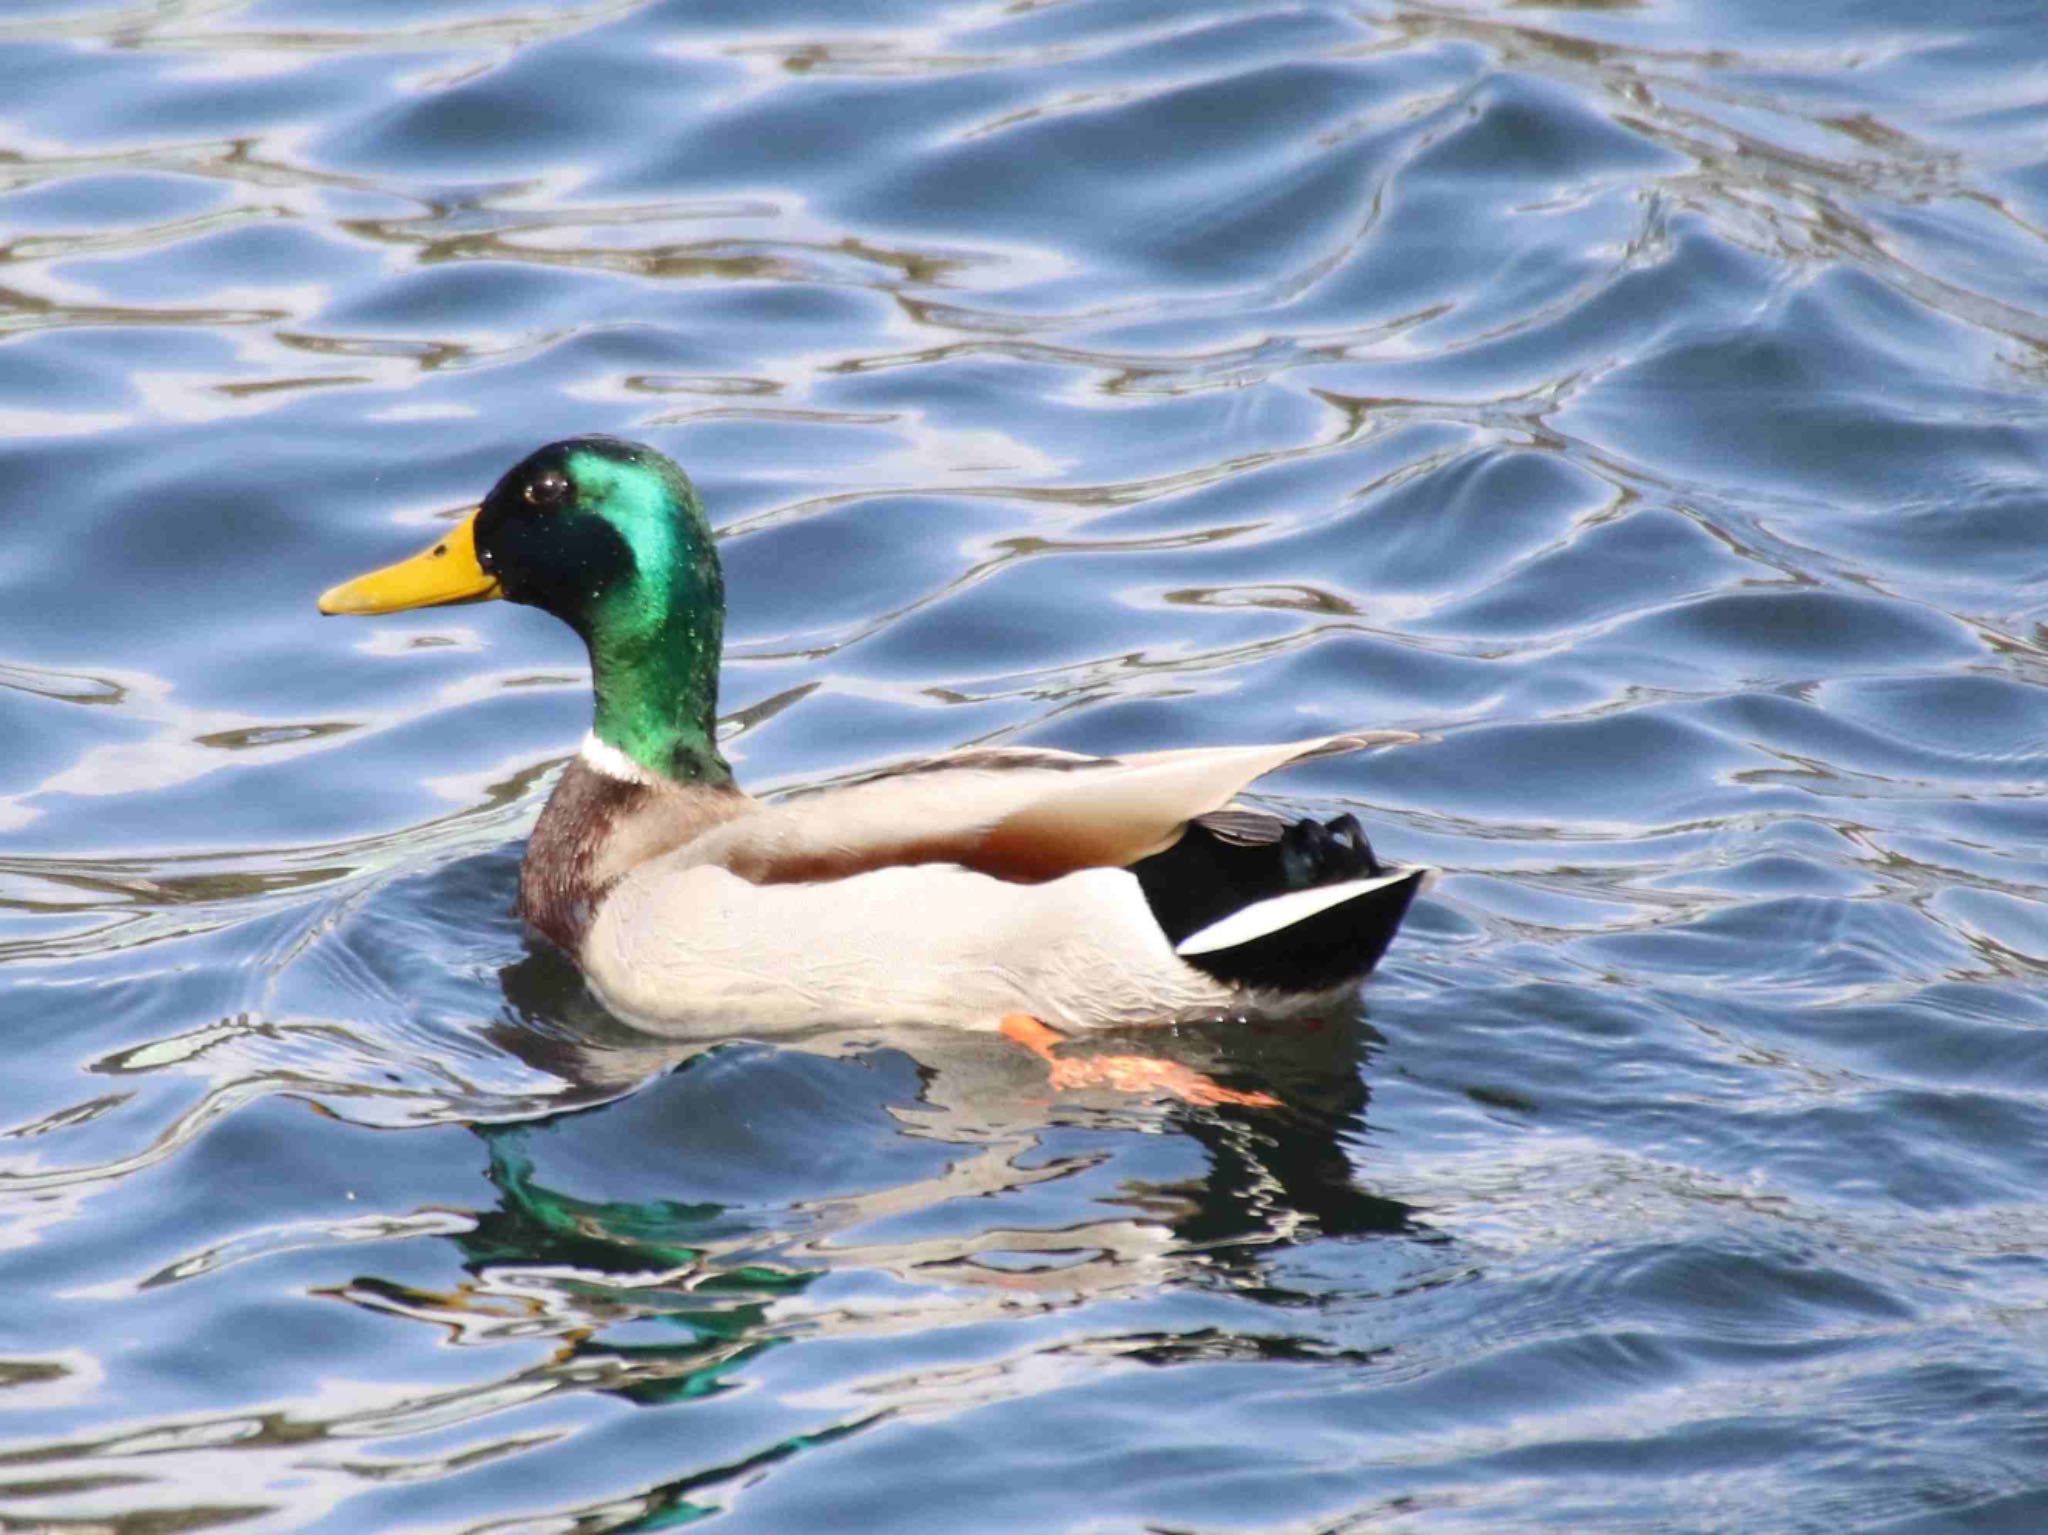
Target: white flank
613,763
1283,911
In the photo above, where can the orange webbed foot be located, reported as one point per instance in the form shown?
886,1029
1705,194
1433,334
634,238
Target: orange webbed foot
1125,1073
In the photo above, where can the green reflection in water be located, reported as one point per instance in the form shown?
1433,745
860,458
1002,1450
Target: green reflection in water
663,1248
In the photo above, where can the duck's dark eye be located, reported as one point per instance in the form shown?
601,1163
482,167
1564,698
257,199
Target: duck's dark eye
548,489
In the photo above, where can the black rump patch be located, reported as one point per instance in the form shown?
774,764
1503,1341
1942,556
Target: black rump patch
1234,859
1226,862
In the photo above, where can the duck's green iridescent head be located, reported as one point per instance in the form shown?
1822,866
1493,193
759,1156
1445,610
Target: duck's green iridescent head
610,538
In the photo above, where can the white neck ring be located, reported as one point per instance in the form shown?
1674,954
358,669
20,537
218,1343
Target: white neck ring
600,757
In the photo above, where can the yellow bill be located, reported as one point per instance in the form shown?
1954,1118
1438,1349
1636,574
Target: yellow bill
444,571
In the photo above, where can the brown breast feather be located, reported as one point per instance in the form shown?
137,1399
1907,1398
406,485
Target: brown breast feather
594,830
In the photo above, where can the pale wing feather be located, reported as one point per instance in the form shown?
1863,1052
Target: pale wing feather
1303,751
1114,818
1020,821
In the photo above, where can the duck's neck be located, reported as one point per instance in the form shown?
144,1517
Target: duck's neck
654,644
650,769
657,698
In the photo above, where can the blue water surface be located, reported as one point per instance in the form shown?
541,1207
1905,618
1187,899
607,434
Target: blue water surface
1643,398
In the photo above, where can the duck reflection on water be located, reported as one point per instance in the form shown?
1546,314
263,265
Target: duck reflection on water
681,1228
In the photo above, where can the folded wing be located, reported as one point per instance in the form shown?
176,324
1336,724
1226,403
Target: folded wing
1026,815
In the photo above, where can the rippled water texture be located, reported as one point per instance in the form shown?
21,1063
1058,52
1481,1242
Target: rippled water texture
1644,399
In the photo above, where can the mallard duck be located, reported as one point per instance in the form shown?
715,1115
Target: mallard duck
961,889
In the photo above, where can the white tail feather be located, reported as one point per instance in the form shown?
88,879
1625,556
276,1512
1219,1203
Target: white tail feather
1282,911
